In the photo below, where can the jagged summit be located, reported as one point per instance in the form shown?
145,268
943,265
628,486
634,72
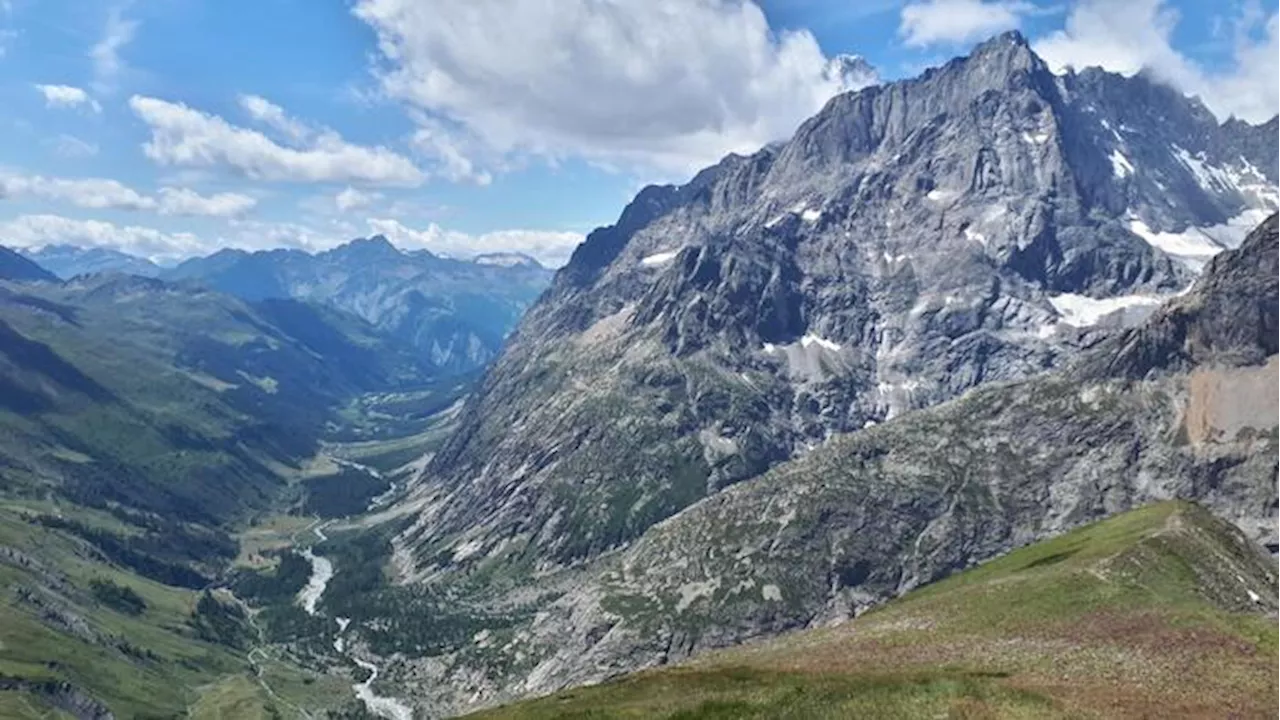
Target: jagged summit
1228,319
377,247
911,241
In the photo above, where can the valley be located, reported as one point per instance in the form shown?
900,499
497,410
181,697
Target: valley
957,400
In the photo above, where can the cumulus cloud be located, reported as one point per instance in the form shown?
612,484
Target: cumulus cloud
549,247
352,199
36,230
665,84
274,116
105,54
93,193
959,21
106,194
451,149
181,201
67,96
184,136
1126,36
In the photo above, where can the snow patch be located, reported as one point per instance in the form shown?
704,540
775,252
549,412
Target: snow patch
811,216
1191,244
942,196
1232,233
1039,138
1082,311
824,343
975,236
657,259
1209,177
771,593
1120,164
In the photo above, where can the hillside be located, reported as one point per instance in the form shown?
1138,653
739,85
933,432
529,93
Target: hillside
1164,606
155,439
14,266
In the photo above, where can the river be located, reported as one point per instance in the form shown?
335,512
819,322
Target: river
321,573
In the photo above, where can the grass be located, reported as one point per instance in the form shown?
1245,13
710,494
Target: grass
1149,609
174,673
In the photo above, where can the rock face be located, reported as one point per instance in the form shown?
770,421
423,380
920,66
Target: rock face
873,514
910,242
456,313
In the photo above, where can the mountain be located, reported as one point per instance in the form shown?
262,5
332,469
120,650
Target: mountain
506,260
456,313
784,318
13,266
68,261
980,223
1118,606
1184,406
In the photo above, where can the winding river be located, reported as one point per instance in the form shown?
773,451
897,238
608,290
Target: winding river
321,573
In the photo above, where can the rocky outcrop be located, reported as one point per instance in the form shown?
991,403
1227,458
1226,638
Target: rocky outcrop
61,695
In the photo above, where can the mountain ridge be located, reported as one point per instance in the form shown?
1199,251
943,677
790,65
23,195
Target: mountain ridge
911,241
456,312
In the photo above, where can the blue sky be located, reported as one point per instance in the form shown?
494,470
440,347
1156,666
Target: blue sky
173,127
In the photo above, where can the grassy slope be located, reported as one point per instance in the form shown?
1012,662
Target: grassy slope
184,674
1149,609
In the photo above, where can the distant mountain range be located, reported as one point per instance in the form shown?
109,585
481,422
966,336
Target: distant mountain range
457,313
68,261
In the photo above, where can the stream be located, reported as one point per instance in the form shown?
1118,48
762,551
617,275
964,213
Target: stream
321,573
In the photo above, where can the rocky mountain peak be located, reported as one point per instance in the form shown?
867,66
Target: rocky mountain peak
377,247
911,241
1229,318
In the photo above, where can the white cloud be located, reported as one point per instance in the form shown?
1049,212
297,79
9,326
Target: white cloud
664,84
548,247
106,194
181,201
67,96
451,150
71,147
1126,36
186,137
274,116
260,235
36,230
93,193
105,54
351,199
959,21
